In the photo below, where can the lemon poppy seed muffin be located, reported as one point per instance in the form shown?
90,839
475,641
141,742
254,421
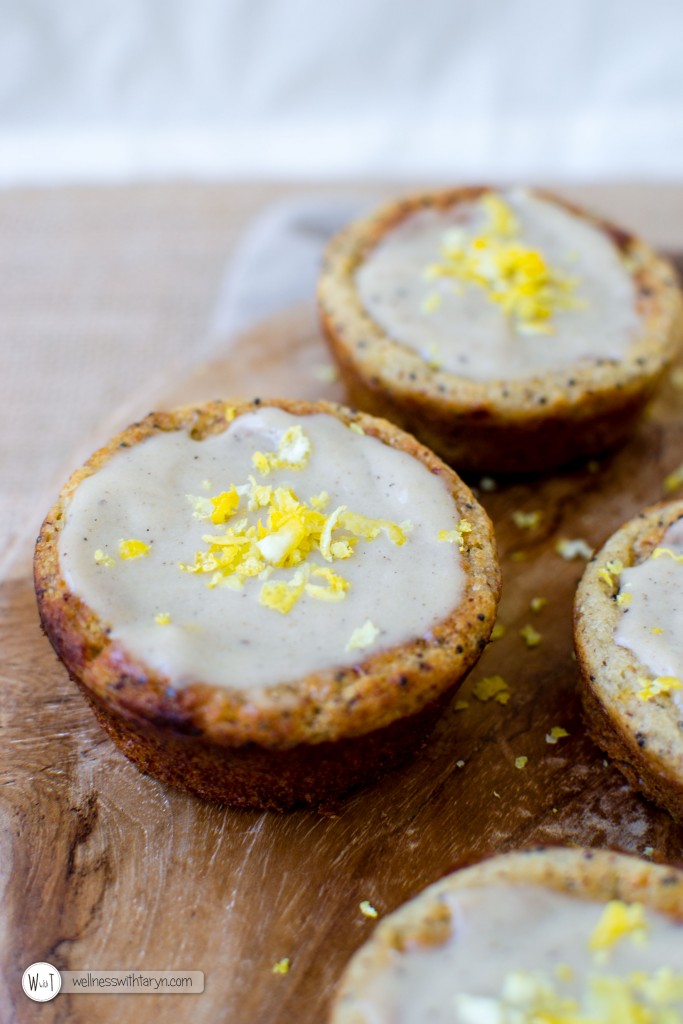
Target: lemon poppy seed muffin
628,628
562,935
266,603
510,331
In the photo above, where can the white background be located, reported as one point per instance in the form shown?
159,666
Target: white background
450,89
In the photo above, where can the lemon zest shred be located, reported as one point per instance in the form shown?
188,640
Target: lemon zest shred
293,451
617,921
103,559
611,572
285,535
512,275
133,549
666,553
224,505
456,536
661,686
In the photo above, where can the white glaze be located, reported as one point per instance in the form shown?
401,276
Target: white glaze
469,334
496,930
225,637
656,588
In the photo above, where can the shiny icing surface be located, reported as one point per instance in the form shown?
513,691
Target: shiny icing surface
651,624
181,625
455,326
525,954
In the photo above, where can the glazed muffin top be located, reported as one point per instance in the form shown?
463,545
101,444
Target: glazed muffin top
503,285
283,546
483,298
566,935
628,633
270,552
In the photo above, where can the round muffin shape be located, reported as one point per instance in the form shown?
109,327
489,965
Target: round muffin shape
519,425
501,936
640,730
306,739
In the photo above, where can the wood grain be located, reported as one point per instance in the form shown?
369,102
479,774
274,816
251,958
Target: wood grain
105,868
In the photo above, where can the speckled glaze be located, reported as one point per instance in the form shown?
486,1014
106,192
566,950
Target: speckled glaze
315,736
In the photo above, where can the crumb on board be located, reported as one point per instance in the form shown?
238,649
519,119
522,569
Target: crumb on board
674,480
521,762
530,636
282,966
461,705
537,604
487,484
556,733
326,373
526,520
492,688
367,910
459,764
570,549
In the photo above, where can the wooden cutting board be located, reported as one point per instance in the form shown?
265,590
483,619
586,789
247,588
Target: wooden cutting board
113,870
